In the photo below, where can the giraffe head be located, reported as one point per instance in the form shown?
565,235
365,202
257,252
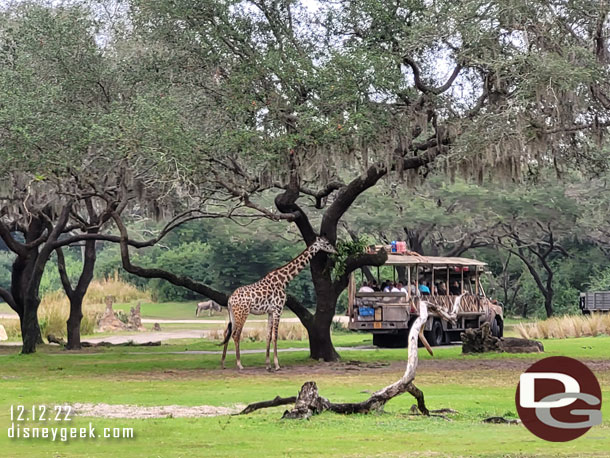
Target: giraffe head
321,244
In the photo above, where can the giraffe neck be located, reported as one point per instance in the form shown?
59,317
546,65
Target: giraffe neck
286,273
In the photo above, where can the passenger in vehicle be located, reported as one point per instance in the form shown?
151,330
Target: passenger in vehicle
442,289
388,287
455,289
375,286
402,288
424,289
413,289
365,288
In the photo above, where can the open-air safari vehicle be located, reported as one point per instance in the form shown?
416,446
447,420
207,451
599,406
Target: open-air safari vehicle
389,315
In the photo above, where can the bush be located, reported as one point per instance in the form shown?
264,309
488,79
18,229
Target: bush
191,259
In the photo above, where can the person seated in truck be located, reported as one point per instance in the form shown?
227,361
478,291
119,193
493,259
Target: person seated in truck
388,286
424,289
455,289
375,286
442,289
365,288
401,288
414,290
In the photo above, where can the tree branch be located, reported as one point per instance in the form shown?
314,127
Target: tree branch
286,203
419,84
304,315
177,280
11,243
355,262
63,275
8,298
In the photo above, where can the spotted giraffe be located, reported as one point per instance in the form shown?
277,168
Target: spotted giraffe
268,295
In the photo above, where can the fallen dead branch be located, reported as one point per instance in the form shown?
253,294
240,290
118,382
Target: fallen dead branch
58,340
129,343
277,401
501,420
309,402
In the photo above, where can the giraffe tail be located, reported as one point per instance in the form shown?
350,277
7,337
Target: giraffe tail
227,334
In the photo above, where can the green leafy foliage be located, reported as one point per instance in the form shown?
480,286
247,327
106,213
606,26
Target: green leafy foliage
6,263
599,279
345,249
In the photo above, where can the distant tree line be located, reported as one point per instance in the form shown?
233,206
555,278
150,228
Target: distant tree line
291,113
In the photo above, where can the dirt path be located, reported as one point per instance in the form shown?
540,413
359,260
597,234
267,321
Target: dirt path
157,336
441,367
131,411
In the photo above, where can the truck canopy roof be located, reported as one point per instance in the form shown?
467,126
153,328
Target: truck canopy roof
405,260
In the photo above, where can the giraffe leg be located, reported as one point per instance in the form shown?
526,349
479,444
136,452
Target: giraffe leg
269,337
224,350
276,324
236,338
224,355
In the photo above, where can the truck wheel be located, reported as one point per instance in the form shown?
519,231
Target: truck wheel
393,340
436,335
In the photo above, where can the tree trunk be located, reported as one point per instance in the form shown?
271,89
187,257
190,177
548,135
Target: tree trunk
402,274
73,324
548,303
77,295
30,330
320,343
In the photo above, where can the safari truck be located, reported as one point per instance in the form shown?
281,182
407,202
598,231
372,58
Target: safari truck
389,315
595,301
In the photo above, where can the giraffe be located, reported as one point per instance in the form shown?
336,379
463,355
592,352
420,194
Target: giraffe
268,295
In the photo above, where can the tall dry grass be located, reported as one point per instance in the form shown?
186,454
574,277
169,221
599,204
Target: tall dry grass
12,328
55,307
566,326
286,331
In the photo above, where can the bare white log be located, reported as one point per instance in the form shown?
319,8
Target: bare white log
400,386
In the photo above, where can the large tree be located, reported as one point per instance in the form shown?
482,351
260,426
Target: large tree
81,139
317,104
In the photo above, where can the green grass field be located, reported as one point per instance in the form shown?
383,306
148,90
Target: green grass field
178,311
163,310
476,386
